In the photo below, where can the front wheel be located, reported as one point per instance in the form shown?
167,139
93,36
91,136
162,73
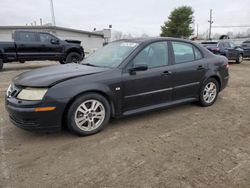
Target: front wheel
88,114
209,92
73,57
240,59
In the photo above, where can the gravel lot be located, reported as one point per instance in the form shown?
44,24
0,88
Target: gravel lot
185,146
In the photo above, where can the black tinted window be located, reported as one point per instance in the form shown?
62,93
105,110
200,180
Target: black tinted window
183,52
28,37
46,37
154,55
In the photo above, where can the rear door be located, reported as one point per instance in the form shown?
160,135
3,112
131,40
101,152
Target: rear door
189,70
150,87
27,44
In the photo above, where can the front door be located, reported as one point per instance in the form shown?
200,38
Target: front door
150,87
50,47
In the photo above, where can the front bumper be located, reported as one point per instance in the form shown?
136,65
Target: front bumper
23,115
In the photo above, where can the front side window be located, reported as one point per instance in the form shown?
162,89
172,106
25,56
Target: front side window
46,38
154,55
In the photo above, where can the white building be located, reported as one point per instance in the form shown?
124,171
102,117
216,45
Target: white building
89,40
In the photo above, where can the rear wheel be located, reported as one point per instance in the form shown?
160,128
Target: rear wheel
73,57
240,59
62,61
88,114
209,92
1,64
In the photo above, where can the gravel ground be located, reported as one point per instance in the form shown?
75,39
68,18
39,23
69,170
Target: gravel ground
184,146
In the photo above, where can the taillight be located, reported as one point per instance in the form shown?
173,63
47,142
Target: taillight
216,49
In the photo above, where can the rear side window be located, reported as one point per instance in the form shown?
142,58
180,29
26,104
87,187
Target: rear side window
185,52
27,37
197,54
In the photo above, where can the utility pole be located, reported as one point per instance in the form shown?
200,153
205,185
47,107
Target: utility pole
197,34
210,21
52,13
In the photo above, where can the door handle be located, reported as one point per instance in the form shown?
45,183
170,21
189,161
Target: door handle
200,67
166,73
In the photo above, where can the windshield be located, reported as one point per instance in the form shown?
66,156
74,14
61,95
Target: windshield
111,55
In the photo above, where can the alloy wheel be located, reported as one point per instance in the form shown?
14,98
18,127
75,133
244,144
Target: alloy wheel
90,115
210,92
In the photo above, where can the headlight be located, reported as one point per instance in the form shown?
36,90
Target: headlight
9,90
32,94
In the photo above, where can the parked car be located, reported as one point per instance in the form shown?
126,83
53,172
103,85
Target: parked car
225,48
123,78
30,46
246,47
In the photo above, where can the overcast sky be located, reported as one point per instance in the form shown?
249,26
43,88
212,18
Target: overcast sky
129,16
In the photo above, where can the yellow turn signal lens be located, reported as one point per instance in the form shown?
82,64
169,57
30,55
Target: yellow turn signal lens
44,109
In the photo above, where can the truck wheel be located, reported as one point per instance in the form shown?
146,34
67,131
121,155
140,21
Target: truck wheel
1,64
62,61
73,57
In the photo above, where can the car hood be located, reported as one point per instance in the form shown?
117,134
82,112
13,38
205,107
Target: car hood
49,76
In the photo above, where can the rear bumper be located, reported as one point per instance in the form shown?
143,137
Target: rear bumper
224,82
24,116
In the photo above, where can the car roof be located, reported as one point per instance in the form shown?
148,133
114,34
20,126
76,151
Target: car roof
151,39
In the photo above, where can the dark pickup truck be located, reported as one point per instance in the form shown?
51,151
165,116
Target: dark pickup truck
31,46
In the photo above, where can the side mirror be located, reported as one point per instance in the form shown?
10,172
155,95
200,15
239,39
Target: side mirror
54,41
138,67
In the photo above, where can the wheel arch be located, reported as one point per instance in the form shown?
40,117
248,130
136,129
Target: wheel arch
76,50
216,77
102,93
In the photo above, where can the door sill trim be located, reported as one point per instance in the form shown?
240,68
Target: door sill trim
158,106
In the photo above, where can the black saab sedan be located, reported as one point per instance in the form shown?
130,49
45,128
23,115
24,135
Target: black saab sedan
123,78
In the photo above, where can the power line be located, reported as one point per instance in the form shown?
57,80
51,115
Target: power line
228,26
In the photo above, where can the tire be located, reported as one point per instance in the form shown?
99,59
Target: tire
240,59
211,88
1,64
83,121
73,57
62,61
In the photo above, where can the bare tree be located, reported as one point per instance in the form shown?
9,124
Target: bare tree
117,35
